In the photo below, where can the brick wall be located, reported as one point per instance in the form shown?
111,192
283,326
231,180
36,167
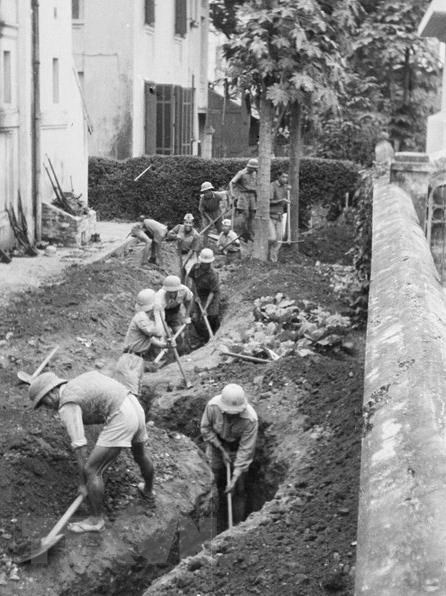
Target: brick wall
62,228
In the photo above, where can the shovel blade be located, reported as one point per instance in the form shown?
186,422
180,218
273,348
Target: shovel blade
45,545
24,377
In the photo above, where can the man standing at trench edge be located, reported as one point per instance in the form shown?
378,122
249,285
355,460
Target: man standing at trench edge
229,427
94,398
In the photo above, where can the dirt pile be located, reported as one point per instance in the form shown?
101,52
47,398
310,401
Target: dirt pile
310,411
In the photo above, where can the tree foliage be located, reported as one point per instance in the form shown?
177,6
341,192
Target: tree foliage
405,67
289,54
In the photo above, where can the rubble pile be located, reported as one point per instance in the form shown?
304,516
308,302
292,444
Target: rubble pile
282,327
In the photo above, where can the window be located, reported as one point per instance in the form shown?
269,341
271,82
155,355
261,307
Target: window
174,114
149,12
76,10
180,17
7,77
56,95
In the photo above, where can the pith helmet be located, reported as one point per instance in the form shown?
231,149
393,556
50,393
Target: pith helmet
42,385
206,186
188,218
206,256
145,299
253,163
172,283
233,399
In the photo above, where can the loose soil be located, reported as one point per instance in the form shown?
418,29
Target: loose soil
307,464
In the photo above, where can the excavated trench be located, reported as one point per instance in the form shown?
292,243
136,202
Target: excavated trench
138,550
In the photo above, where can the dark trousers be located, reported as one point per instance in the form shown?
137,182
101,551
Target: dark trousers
238,494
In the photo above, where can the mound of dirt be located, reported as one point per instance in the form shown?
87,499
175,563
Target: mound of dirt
310,411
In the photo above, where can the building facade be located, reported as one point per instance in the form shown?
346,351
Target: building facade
434,25
143,67
41,111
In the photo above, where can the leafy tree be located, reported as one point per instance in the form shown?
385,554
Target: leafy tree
405,67
288,53
223,15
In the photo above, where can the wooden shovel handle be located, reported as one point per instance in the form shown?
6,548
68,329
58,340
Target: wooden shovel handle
45,362
65,517
229,496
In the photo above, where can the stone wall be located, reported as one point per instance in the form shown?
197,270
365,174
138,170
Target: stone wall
402,510
62,228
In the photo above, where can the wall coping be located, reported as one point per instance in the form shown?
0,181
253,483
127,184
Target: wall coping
402,506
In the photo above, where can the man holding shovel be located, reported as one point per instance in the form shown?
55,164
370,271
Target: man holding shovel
229,427
228,242
188,244
278,201
142,336
94,398
206,289
152,233
173,304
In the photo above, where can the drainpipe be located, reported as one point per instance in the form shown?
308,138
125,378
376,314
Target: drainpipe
35,123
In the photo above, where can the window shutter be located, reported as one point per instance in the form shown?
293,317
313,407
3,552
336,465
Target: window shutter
181,17
149,118
149,12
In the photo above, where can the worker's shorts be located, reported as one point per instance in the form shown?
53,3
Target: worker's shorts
126,426
247,201
129,371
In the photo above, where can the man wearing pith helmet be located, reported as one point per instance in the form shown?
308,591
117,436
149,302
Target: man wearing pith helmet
210,206
243,190
205,285
188,244
142,335
173,304
229,427
94,398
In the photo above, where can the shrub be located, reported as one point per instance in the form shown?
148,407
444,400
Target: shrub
171,187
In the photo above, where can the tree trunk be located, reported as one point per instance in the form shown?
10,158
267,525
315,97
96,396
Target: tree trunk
261,224
294,160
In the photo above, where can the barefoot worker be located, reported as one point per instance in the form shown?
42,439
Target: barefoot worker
93,398
229,427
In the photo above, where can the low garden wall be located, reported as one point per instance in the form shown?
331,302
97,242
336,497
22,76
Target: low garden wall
402,512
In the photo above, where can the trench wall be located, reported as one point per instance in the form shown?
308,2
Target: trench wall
401,547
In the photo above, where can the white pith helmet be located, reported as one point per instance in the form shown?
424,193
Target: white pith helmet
172,283
233,399
206,186
145,299
206,256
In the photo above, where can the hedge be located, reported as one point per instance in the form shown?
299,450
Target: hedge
171,187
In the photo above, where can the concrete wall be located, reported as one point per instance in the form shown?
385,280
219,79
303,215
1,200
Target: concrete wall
63,134
103,52
402,510
63,128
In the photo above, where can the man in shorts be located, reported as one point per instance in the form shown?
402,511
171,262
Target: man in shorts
94,398
152,233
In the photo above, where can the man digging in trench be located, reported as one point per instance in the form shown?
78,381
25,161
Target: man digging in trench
93,398
229,427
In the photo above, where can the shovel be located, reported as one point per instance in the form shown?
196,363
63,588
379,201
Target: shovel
54,535
175,352
226,351
205,318
164,350
229,496
26,378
